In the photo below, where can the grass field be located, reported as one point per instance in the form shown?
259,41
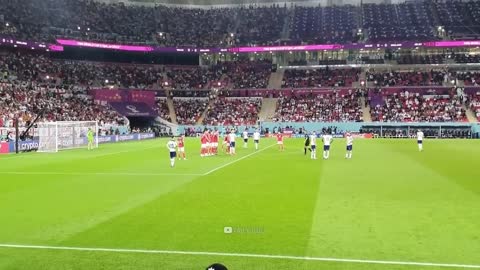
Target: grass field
123,207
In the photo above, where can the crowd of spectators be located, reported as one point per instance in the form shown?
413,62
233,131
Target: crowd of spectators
189,110
421,59
244,74
410,78
466,58
310,78
474,104
186,79
469,78
320,25
414,107
117,22
460,19
310,107
40,68
234,111
27,100
412,21
260,25
162,25
162,109
251,25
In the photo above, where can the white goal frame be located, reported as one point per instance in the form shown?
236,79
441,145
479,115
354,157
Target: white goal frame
64,135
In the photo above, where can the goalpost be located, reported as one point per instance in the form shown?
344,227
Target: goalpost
63,135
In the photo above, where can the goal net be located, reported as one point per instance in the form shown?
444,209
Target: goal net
55,136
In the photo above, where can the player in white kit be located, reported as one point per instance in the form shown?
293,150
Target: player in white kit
327,141
245,138
349,138
172,148
231,139
420,140
256,138
313,145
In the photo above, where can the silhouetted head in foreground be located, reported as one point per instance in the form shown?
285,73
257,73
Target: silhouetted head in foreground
217,266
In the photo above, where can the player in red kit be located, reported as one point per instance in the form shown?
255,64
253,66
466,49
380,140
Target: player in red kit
215,142
226,144
209,143
181,147
203,141
279,136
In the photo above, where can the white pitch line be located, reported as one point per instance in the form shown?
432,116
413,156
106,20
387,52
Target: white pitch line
236,160
244,255
133,173
101,173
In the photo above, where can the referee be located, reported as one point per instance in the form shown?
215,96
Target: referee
307,145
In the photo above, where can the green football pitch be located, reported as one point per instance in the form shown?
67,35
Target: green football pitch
122,207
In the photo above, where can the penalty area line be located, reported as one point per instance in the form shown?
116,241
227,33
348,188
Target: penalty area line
236,160
242,255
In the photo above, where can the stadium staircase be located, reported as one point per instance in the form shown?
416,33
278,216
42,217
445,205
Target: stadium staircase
361,77
171,108
285,35
204,114
434,10
237,20
269,106
470,115
367,117
275,80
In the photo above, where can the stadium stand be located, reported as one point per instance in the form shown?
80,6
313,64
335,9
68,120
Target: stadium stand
308,78
189,110
61,104
465,58
260,25
460,19
417,78
319,107
421,59
474,104
30,81
41,68
185,79
405,106
162,109
400,22
220,27
468,77
247,74
321,25
234,111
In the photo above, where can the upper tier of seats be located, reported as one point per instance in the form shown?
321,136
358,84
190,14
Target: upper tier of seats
220,27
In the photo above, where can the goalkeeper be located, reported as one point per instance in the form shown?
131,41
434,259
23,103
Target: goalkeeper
90,138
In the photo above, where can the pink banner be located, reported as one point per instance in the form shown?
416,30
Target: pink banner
456,43
55,48
291,48
104,45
